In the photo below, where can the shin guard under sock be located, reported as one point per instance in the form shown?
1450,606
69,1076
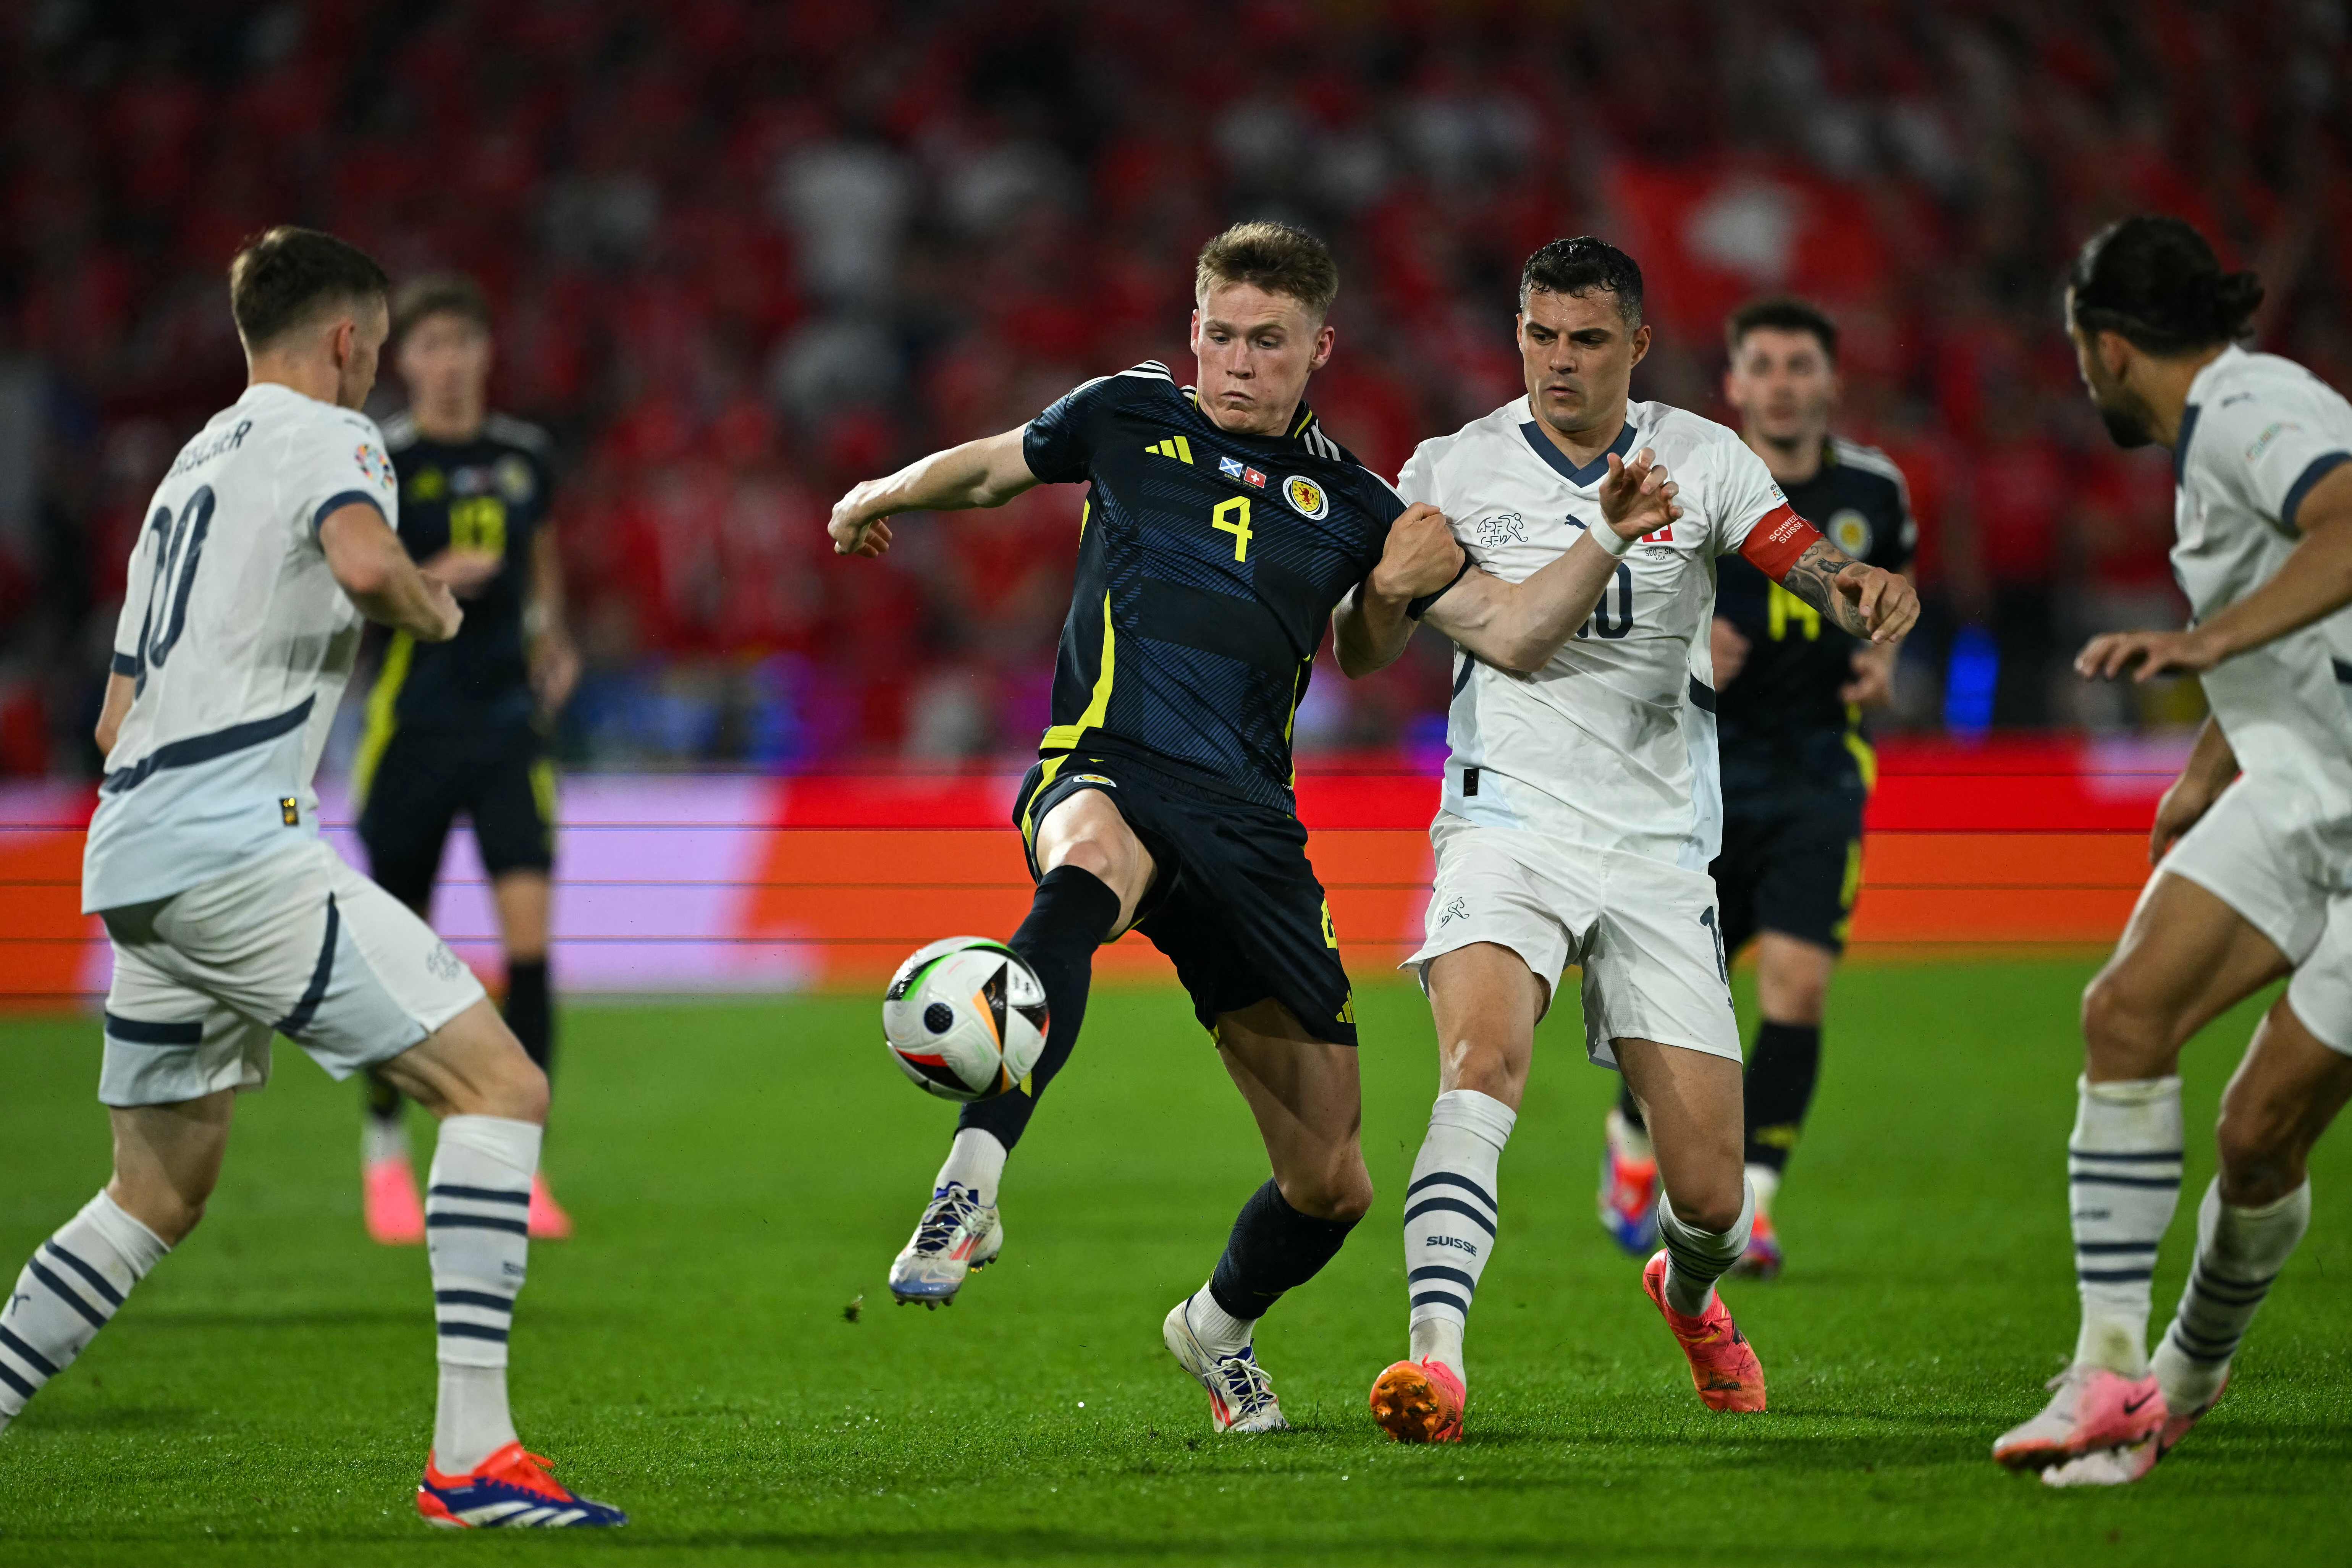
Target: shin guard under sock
1070,915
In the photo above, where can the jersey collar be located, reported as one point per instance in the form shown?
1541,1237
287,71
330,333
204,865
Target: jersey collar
1593,472
1302,424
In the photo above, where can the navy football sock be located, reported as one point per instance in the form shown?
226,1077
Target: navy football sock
1781,1071
529,1012
1273,1247
1070,914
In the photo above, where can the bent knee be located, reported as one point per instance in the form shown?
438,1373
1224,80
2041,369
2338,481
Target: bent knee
1342,1194
1713,1213
2126,1034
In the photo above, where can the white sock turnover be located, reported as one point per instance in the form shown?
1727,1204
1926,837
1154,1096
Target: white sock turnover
975,1160
1696,1258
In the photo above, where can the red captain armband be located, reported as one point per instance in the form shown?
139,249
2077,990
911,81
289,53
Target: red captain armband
1777,540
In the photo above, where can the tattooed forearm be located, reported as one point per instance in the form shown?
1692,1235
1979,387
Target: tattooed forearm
1811,579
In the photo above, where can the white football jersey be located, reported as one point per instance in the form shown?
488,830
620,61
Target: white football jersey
239,640
2258,433
1612,742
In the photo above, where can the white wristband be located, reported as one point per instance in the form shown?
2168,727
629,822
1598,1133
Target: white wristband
1616,544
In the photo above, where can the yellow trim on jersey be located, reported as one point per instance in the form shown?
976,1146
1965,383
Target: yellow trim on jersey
1085,511
543,790
1061,737
1029,812
1865,755
383,714
1305,417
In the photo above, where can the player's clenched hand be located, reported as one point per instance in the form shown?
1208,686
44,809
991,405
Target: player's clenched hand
2187,800
443,604
1638,498
1729,646
2111,655
1873,685
1420,557
857,528
464,572
1886,603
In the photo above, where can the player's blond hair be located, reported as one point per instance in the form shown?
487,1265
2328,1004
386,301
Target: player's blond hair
1272,257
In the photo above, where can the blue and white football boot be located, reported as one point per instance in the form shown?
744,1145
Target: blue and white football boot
1241,1394
957,1236
510,1490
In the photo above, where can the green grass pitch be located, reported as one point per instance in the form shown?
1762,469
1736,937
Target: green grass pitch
741,1172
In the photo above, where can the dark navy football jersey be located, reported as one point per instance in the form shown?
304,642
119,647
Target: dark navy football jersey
489,493
1209,564
1783,712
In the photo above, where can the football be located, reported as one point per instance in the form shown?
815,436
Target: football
964,1018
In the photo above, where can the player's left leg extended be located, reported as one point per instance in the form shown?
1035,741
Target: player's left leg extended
2283,1096
167,1159
1690,1100
1304,1093
1092,875
510,798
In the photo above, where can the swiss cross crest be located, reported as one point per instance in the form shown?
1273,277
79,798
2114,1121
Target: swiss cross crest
1252,476
1663,536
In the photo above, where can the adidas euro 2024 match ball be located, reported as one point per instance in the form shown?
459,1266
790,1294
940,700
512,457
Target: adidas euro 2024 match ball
964,1018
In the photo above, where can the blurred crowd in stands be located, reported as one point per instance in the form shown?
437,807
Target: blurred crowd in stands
747,253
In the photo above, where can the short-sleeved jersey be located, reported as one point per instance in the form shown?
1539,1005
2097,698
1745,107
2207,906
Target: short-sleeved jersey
489,493
1783,712
2258,433
1612,742
1209,564
239,640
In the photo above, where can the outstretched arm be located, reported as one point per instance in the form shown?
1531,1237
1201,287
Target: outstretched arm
2314,583
986,472
1515,626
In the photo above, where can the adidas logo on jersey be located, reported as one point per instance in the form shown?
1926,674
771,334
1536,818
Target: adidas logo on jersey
1175,447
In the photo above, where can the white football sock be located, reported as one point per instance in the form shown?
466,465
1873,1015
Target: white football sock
2239,1252
1220,1333
2123,1170
475,1207
1450,1216
1765,1183
383,1137
1696,1258
975,1160
68,1290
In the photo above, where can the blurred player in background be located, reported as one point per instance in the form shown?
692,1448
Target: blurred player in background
269,540
2252,848
1582,807
462,726
1791,690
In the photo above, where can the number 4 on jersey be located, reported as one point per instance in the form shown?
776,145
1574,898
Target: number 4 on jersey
1234,517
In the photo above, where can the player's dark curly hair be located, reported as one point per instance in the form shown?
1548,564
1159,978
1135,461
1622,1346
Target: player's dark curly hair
1782,313
2156,283
1277,258
1582,266
283,278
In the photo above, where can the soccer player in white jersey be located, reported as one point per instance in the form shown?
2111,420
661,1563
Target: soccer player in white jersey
267,541
2253,847
1581,805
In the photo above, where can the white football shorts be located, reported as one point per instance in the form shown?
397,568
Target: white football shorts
297,943
2266,850
1646,934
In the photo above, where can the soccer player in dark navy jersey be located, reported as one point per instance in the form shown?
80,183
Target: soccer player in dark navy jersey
460,726
1792,689
1220,527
